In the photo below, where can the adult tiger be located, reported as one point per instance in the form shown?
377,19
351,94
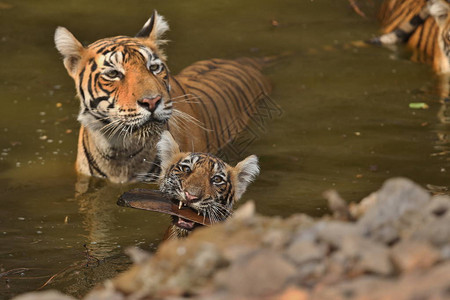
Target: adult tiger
423,24
128,97
202,182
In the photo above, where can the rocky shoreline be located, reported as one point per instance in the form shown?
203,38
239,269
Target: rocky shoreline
394,244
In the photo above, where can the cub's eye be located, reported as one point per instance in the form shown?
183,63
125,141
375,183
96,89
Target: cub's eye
217,179
186,169
155,68
113,74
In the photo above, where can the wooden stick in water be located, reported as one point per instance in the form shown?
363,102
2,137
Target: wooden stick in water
154,200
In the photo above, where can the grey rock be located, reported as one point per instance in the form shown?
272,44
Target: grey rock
263,274
46,295
277,238
396,199
338,206
433,222
302,252
334,232
429,284
412,255
361,255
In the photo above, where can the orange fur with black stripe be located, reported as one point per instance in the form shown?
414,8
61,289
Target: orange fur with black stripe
423,24
128,97
202,182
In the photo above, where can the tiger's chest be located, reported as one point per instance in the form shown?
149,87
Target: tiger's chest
135,162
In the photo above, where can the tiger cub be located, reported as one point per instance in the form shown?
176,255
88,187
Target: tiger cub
202,182
423,24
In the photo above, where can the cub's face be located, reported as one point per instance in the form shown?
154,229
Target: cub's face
202,181
122,82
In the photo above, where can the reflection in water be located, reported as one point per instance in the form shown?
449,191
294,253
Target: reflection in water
102,255
442,145
98,213
100,258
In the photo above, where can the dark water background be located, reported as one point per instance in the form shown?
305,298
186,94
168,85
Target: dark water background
346,124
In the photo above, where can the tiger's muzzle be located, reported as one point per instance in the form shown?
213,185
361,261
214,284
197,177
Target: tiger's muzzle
150,103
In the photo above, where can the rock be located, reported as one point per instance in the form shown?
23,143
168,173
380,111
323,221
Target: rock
177,267
107,292
137,255
299,222
293,293
363,288
429,284
433,222
360,209
412,255
234,252
338,206
193,268
277,238
311,272
245,212
439,206
445,251
360,256
334,232
263,274
396,199
46,295
301,252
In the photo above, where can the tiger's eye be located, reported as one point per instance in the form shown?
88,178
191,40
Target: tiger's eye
186,169
217,179
154,68
113,73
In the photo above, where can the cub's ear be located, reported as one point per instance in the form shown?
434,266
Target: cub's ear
167,148
154,28
70,48
439,9
245,172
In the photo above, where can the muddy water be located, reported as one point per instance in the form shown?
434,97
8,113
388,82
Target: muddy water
345,123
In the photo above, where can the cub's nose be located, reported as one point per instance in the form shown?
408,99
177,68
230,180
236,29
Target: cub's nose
190,197
150,103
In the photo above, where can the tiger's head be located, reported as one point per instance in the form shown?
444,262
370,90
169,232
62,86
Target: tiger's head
122,82
202,182
439,10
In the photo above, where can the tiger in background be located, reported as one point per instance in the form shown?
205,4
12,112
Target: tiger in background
128,97
423,24
202,182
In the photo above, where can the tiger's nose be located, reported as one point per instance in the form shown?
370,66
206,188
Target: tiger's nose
190,197
150,103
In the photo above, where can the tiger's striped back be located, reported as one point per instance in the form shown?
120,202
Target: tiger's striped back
227,93
393,13
423,25
425,43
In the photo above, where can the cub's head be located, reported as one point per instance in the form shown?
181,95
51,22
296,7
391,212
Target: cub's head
202,181
122,82
440,9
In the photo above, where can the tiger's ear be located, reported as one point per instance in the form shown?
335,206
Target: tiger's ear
70,48
439,10
167,148
154,28
245,172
